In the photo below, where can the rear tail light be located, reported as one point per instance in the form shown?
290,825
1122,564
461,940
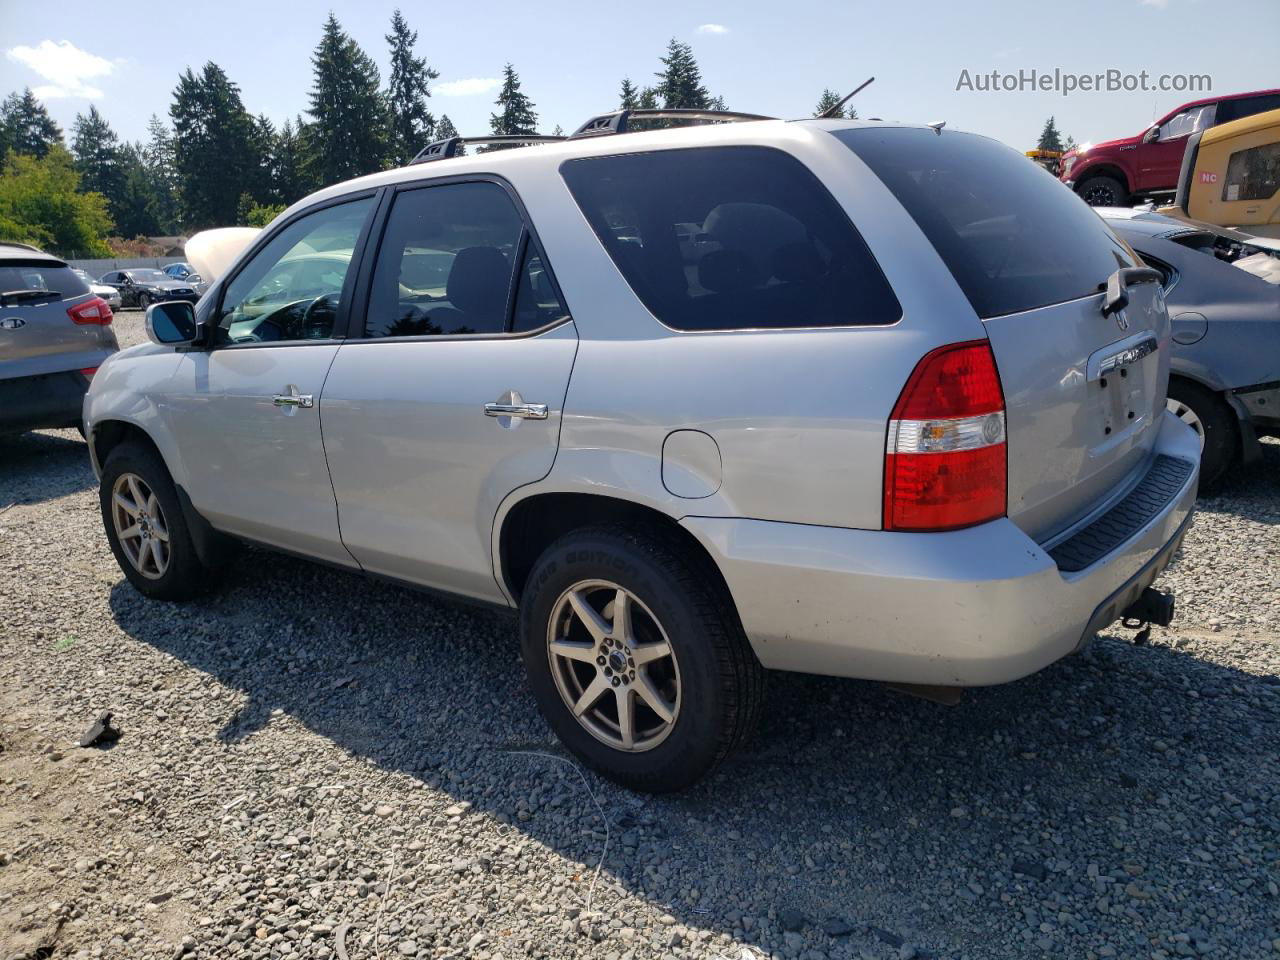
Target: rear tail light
95,311
946,462
88,372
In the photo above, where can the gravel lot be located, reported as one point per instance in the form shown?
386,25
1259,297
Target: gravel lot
313,765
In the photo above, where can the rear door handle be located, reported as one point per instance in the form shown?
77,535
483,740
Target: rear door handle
525,411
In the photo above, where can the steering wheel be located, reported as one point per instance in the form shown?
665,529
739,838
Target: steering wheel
321,328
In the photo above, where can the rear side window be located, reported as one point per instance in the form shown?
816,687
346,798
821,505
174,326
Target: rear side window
721,238
1013,236
1241,107
40,275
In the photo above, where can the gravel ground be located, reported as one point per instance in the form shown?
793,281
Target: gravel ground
313,765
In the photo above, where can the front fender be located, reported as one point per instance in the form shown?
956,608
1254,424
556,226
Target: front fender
128,389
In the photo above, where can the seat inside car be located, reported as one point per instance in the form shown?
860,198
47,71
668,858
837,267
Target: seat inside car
477,293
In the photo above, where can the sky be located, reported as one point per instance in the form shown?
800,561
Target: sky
763,57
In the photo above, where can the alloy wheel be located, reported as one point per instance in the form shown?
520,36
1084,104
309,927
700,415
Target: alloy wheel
614,666
1187,416
140,525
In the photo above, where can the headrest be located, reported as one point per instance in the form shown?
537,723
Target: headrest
477,283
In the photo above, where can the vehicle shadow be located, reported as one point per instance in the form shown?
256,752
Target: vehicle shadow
852,801
43,465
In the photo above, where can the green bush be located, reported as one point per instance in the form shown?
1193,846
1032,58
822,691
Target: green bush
39,205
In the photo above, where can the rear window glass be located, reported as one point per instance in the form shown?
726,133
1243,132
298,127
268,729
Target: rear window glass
41,276
1013,236
721,238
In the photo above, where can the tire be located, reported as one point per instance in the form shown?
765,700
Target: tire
144,301
710,684
1214,421
172,572
1102,192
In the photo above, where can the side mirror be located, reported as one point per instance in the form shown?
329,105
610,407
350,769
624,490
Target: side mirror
1151,136
172,322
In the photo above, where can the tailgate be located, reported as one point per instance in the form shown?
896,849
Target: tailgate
1083,394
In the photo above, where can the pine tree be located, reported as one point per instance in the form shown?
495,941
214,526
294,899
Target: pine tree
680,82
1050,139
628,96
717,103
96,150
260,185
648,99
412,125
26,127
347,135
515,116
558,131
445,130
289,164
828,100
138,202
162,174
212,146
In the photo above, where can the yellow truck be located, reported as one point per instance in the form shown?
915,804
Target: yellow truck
1231,176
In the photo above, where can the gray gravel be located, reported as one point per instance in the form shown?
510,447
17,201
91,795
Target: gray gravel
308,759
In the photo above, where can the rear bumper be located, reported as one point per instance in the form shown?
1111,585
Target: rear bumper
970,607
42,402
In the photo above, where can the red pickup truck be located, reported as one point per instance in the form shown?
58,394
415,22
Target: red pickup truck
1111,174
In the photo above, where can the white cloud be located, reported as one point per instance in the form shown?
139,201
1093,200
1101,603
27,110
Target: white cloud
65,66
713,28
466,88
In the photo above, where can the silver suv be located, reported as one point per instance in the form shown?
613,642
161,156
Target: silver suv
54,333
860,399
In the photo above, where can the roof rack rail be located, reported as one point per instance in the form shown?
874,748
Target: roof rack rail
444,149
618,121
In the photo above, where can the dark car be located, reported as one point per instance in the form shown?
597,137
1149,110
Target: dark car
180,271
1223,292
142,286
1108,174
54,333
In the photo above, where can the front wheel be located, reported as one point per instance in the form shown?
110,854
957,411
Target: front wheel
1102,192
146,528
636,658
1214,424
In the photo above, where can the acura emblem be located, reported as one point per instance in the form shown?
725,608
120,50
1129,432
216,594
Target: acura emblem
12,323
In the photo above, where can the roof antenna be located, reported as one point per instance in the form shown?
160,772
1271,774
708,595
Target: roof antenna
936,126
830,112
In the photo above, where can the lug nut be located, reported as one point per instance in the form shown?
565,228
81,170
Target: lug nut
600,660
616,681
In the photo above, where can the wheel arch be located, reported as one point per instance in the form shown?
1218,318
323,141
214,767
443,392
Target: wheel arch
532,524
109,434
1104,170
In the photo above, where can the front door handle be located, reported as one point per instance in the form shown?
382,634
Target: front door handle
525,411
294,399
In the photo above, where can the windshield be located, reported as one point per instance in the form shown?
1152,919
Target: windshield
1013,236
147,276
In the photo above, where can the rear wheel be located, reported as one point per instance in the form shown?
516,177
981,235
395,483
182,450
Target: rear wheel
146,527
1212,420
636,658
1102,192
144,301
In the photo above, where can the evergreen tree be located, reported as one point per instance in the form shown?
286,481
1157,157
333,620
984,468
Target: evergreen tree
262,141
161,173
96,150
680,80
648,99
288,164
26,127
828,100
137,206
717,103
347,135
1050,139
212,146
445,129
412,125
515,116
628,96
558,131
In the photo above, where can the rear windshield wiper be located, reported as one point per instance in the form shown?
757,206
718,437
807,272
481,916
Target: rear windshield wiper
27,294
